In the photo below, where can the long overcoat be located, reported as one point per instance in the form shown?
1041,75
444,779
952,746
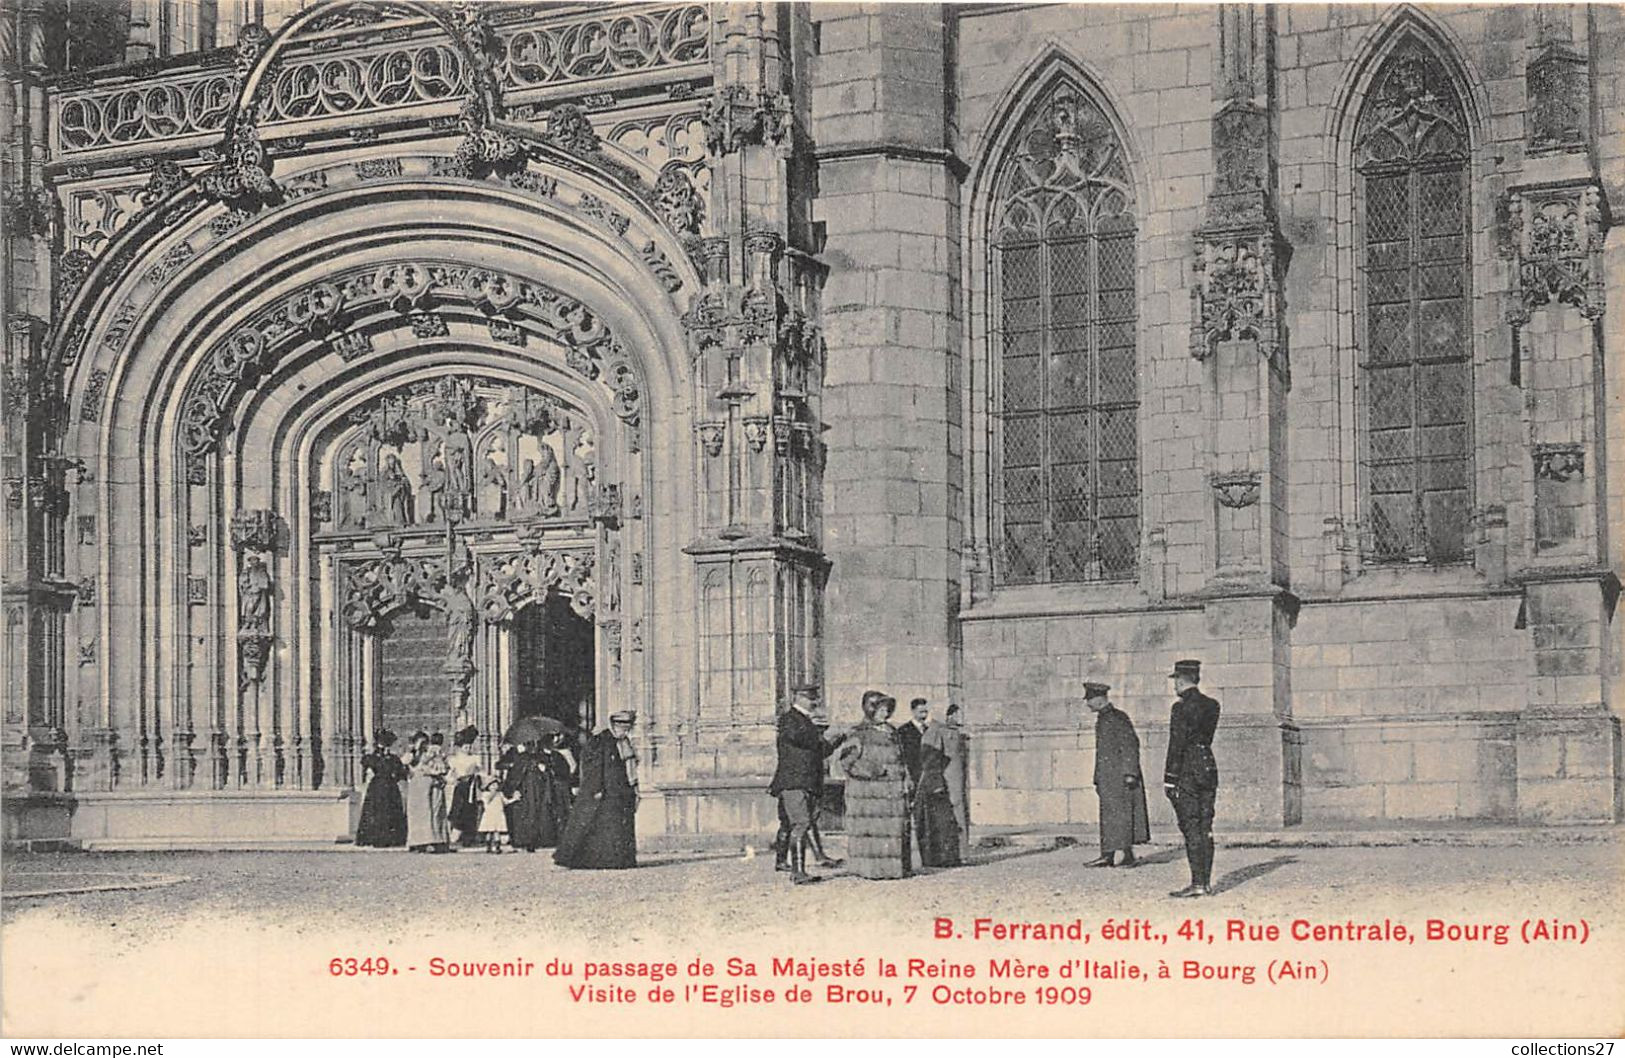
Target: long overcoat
1125,820
602,830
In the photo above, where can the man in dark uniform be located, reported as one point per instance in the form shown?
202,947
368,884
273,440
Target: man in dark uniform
1124,819
1191,777
797,782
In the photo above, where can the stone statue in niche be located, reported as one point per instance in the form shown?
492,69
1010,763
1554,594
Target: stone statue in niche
353,495
539,485
434,483
462,621
494,477
254,596
459,453
582,471
394,493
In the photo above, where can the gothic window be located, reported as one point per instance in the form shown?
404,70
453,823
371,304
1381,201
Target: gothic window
1066,481
1416,356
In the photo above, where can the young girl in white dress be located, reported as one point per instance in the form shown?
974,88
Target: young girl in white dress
494,815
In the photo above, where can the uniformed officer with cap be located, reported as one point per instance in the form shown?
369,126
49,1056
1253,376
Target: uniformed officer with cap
1191,778
1124,819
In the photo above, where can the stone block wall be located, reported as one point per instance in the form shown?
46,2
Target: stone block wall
1381,693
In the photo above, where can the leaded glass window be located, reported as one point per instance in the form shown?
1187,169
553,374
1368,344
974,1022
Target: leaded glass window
1066,475
1416,354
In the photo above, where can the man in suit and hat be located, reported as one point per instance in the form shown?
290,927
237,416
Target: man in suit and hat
1191,778
797,782
909,736
1124,819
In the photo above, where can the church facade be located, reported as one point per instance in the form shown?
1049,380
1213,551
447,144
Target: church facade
376,364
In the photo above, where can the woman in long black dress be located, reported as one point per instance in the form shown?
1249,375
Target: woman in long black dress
556,797
466,804
383,813
936,830
527,815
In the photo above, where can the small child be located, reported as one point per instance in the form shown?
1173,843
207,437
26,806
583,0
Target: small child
494,815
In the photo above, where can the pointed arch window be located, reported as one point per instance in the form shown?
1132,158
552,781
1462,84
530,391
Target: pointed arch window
1066,481
1411,152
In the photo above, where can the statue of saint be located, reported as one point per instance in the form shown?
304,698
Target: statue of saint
539,485
353,497
495,475
254,596
459,451
462,621
434,483
394,493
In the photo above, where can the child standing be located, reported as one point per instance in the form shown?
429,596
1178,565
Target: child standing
494,815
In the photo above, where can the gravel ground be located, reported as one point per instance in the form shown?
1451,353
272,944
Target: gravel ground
676,896
714,905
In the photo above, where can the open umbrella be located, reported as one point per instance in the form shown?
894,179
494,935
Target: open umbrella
532,729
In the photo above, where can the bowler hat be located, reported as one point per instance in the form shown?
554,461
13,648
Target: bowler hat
1189,668
1096,690
626,715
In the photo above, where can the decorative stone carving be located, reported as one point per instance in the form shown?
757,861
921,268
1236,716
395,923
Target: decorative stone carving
1236,490
166,178
1559,462
507,583
1236,294
85,591
356,67
87,652
197,591
91,409
678,202
87,529
237,363
350,345
252,39
1558,234
711,436
1557,83
253,652
505,331
569,129
254,530
429,325
738,115
72,270
756,432
30,211
661,266
610,636
599,210
242,179
170,263
604,505
197,535
378,168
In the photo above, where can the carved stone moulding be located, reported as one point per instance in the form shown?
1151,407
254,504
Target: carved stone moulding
1235,489
414,289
